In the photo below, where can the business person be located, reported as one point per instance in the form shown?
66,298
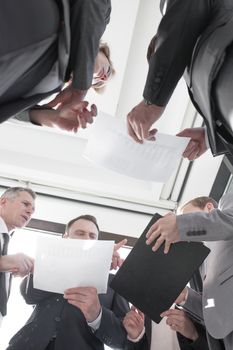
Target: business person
36,60
198,35
202,221
16,208
81,319
68,112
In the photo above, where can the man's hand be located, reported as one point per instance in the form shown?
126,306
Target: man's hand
164,230
77,113
180,322
18,264
117,261
86,299
67,95
69,117
134,323
140,120
196,146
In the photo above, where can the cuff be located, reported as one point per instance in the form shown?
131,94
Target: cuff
96,323
135,340
23,116
184,301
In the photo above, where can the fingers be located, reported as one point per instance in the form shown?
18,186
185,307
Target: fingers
158,243
185,133
153,228
86,117
171,312
167,246
132,132
117,261
81,290
120,244
192,150
151,136
153,233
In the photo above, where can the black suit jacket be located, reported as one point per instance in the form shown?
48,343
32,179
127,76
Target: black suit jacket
54,316
196,35
184,343
73,42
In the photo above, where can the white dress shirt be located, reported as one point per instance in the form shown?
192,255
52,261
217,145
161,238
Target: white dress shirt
4,229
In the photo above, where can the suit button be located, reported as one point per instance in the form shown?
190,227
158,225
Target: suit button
57,319
157,80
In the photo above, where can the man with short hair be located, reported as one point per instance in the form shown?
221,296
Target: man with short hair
16,209
81,319
200,220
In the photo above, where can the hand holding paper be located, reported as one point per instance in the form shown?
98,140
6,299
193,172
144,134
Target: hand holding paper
86,299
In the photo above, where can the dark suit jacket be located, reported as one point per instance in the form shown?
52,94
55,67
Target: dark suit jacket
54,316
184,343
27,57
196,34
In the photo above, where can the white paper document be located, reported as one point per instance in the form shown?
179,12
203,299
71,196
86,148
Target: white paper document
110,146
66,263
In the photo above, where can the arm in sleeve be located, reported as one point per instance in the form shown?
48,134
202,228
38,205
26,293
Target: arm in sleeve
111,330
88,20
193,305
177,34
32,295
214,226
142,344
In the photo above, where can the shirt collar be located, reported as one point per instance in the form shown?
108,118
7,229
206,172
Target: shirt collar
3,227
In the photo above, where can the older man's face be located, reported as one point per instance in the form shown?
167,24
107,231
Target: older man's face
16,212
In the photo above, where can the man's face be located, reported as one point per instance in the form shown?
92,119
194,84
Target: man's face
82,229
17,211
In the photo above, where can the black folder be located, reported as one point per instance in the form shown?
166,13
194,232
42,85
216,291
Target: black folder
152,281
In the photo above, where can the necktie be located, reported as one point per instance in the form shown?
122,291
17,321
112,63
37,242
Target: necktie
3,291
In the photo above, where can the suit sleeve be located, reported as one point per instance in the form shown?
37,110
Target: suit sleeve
193,305
178,31
88,20
214,226
111,331
32,295
199,344
142,344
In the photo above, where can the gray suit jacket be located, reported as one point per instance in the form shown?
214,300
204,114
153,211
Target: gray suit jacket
53,315
216,229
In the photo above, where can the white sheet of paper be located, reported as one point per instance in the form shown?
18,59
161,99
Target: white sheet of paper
66,263
110,146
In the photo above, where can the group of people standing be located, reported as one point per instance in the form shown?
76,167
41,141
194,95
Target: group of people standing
65,56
